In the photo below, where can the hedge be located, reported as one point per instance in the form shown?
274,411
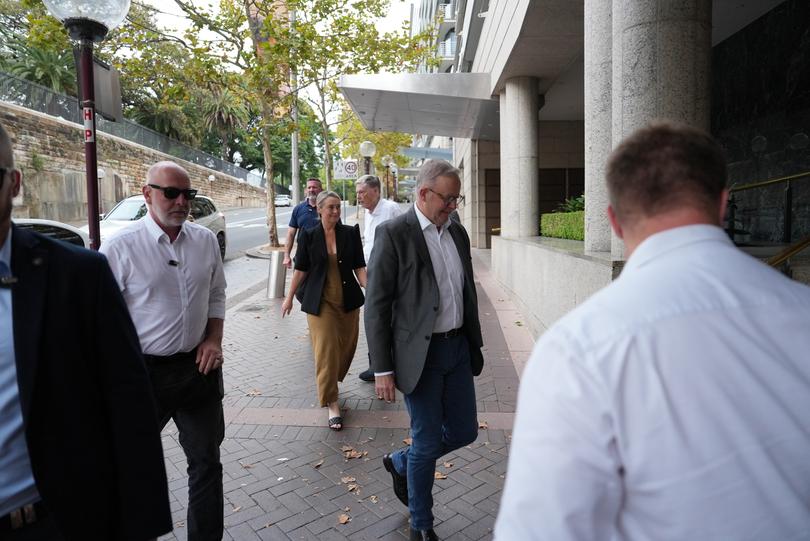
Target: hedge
563,225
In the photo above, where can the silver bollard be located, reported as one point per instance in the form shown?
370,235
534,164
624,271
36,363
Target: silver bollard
276,275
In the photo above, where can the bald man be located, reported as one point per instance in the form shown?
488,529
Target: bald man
170,273
80,453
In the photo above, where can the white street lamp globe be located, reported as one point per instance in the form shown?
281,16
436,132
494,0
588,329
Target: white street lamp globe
89,19
368,149
386,160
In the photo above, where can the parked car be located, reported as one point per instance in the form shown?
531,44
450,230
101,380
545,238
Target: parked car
58,230
203,212
283,200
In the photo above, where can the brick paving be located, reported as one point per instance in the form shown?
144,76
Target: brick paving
288,477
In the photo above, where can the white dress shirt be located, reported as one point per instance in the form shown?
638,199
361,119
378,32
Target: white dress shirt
170,303
674,404
384,211
448,271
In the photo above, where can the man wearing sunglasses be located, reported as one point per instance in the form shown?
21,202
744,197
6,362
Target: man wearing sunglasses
80,453
170,273
424,336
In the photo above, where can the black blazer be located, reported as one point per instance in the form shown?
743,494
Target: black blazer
311,257
89,415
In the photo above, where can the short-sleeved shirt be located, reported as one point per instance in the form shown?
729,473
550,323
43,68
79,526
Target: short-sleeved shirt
304,216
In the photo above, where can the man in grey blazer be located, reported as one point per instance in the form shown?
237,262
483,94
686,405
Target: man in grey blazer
424,337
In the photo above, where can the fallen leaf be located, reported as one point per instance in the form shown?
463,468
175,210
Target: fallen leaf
282,459
267,525
374,499
352,488
448,464
318,464
246,466
519,323
345,480
352,454
343,519
254,392
439,475
483,425
280,479
347,448
347,509
237,508
180,524
407,441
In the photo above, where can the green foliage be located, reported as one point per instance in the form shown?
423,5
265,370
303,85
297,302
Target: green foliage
572,204
351,133
37,163
563,225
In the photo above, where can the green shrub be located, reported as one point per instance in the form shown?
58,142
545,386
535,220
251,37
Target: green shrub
572,204
563,225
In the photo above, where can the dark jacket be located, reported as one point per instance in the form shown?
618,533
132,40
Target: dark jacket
403,300
89,415
312,258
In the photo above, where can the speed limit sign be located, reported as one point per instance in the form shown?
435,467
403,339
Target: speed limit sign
351,167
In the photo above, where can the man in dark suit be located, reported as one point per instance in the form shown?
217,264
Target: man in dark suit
81,455
424,337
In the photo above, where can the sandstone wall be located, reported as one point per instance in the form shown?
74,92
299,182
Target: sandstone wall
50,153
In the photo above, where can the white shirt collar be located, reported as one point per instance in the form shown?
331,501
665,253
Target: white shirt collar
5,250
672,239
425,223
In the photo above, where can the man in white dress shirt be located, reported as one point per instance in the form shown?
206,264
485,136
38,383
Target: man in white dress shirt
674,403
170,273
378,211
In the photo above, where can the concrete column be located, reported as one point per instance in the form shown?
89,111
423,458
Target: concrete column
661,63
598,78
520,192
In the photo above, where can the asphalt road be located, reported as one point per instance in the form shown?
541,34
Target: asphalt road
247,227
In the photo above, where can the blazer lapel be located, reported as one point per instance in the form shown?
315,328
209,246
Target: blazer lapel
463,251
340,238
419,240
29,263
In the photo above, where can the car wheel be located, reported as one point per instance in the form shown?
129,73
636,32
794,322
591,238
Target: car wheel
221,242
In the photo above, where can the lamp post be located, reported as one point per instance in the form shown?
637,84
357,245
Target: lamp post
367,151
87,23
386,161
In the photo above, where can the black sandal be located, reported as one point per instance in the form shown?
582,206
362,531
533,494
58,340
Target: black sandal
336,423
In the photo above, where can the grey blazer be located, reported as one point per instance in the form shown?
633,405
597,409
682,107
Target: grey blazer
402,300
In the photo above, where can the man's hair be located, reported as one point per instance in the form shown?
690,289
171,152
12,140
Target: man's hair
433,169
323,196
313,179
6,152
665,166
370,181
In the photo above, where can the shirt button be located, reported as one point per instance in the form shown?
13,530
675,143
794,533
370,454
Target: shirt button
340,261
435,308
344,283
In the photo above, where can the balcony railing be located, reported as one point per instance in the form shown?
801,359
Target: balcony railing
448,12
39,98
447,48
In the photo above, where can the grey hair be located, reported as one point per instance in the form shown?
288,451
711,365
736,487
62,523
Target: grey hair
324,195
370,181
433,169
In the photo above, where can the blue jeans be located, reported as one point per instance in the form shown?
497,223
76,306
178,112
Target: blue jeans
443,419
194,401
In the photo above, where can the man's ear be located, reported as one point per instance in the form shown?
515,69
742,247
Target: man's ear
16,182
723,205
614,222
147,193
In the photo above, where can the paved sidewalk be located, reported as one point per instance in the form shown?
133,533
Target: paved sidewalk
287,476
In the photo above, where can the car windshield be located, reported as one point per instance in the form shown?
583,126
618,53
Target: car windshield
127,210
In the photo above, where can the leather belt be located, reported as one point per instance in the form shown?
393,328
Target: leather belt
176,357
22,517
448,334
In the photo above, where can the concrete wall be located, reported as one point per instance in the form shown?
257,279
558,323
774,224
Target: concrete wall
562,144
50,153
501,30
547,278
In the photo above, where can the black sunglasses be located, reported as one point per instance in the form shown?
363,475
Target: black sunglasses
173,193
3,171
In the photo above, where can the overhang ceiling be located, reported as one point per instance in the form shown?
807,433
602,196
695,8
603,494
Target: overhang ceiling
548,47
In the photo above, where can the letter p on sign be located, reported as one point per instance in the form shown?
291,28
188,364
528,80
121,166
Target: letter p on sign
89,125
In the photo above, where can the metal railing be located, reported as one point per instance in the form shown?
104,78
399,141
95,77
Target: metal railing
39,98
447,48
793,248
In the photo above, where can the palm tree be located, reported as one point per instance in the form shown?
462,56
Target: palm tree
223,112
52,69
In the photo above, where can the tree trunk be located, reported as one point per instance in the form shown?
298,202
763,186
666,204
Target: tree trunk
271,193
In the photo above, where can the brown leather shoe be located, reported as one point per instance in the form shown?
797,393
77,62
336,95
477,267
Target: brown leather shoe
400,482
423,535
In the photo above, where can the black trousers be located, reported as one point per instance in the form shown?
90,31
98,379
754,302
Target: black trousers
194,402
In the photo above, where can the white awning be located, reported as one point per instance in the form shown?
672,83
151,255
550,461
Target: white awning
447,104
